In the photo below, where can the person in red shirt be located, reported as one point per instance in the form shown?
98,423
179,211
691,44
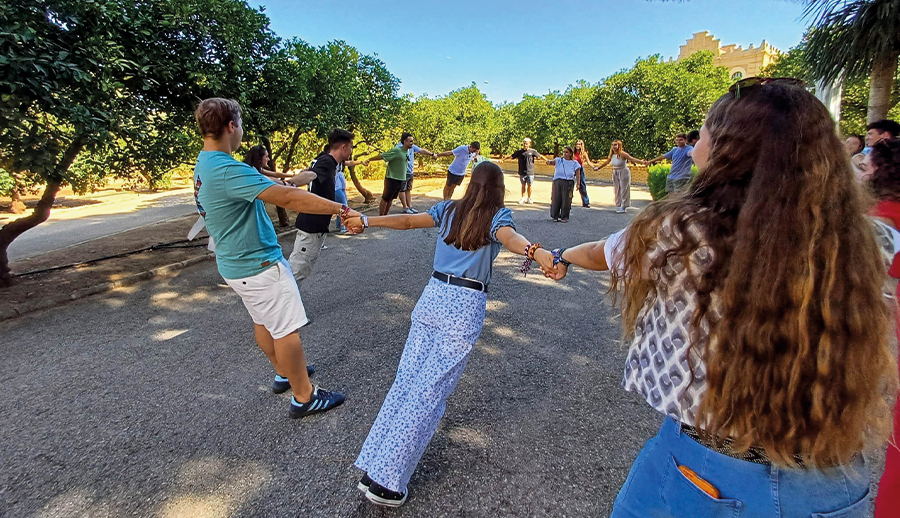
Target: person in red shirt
882,167
581,156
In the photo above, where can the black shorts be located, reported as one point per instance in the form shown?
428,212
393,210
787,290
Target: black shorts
454,179
407,185
526,179
392,189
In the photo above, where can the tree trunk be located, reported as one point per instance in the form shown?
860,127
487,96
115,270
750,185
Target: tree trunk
881,82
367,194
290,156
281,211
16,228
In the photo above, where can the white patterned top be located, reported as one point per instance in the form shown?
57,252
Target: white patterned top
657,363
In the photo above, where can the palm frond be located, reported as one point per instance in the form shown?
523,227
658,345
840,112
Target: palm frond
849,35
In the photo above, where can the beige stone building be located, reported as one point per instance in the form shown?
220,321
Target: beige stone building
739,61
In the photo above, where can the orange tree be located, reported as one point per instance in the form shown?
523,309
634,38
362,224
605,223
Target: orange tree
90,89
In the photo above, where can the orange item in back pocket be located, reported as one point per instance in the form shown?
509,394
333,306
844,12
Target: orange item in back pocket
698,481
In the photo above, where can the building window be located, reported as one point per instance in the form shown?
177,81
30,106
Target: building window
737,76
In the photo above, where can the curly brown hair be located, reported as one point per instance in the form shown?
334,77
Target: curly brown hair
885,181
790,320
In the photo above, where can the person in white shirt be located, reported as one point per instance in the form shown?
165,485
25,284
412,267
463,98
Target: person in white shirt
405,197
462,156
568,170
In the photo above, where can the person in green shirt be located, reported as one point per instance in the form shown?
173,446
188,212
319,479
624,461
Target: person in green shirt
397,159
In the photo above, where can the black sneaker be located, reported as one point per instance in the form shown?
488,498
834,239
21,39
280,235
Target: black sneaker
282,385
321,401
383,496
364,483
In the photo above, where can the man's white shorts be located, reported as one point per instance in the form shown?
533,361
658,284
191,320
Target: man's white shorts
273,299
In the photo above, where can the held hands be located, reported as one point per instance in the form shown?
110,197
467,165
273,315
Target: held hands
545,259
353,221
354,224
560,272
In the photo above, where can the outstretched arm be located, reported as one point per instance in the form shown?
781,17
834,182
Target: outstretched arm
302,178
517,243
590,256
373,159
274,174
423,151
301,200
445,153
552,161
602,165
635,160
394,221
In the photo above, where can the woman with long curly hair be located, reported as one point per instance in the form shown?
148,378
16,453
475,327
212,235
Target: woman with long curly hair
882,167
621,176
754,308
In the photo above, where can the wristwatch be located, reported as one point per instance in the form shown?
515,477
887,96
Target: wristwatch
365,220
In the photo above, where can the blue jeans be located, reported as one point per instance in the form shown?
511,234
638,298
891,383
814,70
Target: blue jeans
340,196
655,486
582,190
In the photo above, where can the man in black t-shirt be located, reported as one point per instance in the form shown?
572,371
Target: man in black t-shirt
312,228
526,157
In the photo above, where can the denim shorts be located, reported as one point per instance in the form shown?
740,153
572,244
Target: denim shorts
656,487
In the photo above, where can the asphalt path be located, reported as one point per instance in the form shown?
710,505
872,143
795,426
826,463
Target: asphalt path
73,226
155,401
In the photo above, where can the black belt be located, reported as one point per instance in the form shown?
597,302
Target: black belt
754,454
460,281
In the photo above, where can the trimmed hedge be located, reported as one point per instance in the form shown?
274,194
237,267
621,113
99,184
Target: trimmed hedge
656,179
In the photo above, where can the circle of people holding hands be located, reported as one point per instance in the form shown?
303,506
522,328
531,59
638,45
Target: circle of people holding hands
755,300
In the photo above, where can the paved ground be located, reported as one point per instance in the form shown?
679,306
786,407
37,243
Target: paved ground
154,400
76,225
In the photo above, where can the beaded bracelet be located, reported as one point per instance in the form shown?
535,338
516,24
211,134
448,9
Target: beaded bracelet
557,257
529,257
345,211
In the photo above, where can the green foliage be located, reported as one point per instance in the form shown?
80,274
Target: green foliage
848,37
118,79
7,183
656,179
854,103
647,105
644,106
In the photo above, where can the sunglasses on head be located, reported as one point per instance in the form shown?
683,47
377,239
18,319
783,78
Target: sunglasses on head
750,82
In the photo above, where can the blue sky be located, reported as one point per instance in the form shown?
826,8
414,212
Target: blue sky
532,47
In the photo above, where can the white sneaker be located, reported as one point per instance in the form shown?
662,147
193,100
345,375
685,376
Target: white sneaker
528,200
522,200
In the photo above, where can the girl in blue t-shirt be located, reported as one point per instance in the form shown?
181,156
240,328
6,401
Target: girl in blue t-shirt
446,323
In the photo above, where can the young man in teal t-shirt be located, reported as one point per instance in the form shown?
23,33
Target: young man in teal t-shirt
230,196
